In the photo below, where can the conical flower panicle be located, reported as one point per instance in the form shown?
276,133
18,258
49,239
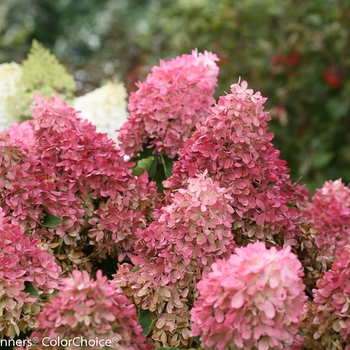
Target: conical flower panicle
172,253
167,106
107,203
234,145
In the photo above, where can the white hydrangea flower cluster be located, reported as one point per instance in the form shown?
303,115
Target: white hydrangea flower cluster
10,73
105,107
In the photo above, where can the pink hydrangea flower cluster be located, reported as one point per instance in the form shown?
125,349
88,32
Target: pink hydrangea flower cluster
91,309
22,261
253,300
331,304
330,211
21,184
167,106
23,132
173,252
235,146
91,186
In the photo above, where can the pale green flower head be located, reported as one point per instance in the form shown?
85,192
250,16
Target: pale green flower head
41,73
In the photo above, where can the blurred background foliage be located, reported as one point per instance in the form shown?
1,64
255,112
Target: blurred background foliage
296,52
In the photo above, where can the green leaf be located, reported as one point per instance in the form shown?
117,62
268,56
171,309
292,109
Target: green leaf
29,288
153,168
146,322
197,340
142,166
168,165
51,220
159,177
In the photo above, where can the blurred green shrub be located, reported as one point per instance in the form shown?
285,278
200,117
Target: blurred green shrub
41,74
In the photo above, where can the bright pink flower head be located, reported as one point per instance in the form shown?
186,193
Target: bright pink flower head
168,105
254,300
234,145
330,211
22,261
91,308
23,132
332,301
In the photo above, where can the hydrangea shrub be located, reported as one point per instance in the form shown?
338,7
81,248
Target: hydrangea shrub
183,266
23,132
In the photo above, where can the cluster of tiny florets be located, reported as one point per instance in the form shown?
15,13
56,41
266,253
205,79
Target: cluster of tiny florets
234,145
173,252
21,183
98,193
23,132
331,305
330,212
22,261
253,300
167,106
91,309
